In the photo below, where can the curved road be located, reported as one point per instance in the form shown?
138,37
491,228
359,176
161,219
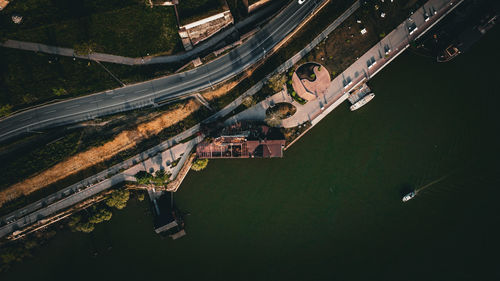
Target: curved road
150,92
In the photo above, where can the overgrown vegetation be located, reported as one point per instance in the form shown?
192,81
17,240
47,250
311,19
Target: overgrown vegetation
19,250
128,27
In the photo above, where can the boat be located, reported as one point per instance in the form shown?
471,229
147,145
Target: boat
448,54
467,38
409,196
362,101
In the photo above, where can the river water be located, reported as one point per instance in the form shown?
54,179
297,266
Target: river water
331,208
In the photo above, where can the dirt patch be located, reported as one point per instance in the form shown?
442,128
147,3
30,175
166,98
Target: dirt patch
219,91
123,141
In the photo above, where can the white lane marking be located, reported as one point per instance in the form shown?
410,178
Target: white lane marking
47,112
141,91
96,101
73,106
240,58
117,96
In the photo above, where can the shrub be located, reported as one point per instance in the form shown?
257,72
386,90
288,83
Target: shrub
248,101
118,199
199,164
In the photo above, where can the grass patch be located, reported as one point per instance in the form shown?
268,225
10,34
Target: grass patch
127,28
46,77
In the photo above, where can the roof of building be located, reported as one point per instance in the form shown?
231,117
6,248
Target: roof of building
244,140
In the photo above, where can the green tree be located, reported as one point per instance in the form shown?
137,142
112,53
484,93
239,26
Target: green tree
143,177
273,119
199,164
100,216
59,91
161,177
85,227
118,199
248,101
5,110
277,81
140,197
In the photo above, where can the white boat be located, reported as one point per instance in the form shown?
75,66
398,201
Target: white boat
362,101
409,196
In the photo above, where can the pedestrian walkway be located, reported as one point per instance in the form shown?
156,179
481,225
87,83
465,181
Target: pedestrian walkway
359,72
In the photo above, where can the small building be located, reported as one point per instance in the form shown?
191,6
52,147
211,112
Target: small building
198,22
244,141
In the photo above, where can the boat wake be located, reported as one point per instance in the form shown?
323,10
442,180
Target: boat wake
431,183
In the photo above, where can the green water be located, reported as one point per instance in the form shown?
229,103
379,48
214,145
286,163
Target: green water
331,209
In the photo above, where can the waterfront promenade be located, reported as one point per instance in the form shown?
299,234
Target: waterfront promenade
360,71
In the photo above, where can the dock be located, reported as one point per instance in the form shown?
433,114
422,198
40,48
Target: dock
178,234
358,93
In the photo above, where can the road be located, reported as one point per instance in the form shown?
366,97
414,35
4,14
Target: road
174,86
17,219
202,47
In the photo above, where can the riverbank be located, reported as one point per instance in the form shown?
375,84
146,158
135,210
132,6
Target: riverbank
315,111
340,204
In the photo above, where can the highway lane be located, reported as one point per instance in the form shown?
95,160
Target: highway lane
150,92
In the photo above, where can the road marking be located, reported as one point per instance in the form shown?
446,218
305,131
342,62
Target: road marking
28,118
73,106
114,97
49,111
95,101
141,91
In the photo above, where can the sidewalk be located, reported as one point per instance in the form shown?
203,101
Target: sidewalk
372,61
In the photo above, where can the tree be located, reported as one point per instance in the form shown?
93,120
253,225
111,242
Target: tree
5,109
100,216
199,164
85,227
273,119
276,82
161,178
118,199
140,197
248,101
143,177
59,91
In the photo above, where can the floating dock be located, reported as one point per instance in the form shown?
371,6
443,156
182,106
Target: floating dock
358,93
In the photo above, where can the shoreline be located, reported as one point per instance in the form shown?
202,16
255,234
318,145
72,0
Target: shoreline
332,102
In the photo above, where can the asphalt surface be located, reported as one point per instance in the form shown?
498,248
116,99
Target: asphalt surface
151,92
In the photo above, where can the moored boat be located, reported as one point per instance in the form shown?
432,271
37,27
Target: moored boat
362,101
